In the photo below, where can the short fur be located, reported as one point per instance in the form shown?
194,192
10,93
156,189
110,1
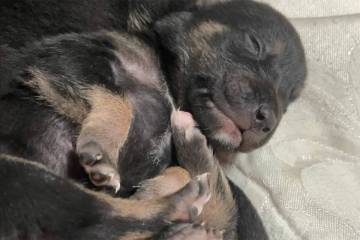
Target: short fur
235,65
28,207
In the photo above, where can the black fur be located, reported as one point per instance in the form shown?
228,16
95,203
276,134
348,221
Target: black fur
258,69
238,95
38,204
30,20
82,60
249,68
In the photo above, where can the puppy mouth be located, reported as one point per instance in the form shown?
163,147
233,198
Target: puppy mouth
229,136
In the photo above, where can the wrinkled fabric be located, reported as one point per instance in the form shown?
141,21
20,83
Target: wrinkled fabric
305,183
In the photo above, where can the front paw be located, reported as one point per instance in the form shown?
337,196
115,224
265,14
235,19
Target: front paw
188,231
98,165
184,126
193,152
188,203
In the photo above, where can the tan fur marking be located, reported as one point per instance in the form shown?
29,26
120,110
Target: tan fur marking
73,108
170,181
208,29
218,212
139,209
108,122
202,34
139,17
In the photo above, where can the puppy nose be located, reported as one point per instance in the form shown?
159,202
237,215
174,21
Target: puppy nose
265,119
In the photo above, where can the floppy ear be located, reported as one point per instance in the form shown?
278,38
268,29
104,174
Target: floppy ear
171,30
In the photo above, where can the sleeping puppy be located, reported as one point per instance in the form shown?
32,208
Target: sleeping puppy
235,66
242,88
64,101
38,204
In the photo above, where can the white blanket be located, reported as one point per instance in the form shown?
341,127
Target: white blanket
305,183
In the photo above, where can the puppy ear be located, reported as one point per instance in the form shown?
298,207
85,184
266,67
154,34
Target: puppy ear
171,30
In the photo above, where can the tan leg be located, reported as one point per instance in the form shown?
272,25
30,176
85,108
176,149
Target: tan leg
169,182
103,133
183,206
196,157
105,118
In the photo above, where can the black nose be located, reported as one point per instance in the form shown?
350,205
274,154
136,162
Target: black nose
265,119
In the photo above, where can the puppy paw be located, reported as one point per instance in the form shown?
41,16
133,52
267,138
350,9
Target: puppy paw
191,146
190,231
188,203
183,123
171,180
98,165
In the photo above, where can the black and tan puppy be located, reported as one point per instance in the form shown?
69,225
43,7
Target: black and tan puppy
38,204
234,65
68,97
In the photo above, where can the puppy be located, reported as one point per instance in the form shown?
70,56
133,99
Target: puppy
234,65
64,96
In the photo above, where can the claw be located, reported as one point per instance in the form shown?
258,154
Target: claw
98,156
204,192
104,175
117,187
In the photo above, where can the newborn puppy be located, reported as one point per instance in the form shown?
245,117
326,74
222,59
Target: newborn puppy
71,105
38,204
236,66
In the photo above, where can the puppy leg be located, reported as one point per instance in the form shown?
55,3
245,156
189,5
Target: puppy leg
83,214
196,157
105,118
103,133
170,181
149,217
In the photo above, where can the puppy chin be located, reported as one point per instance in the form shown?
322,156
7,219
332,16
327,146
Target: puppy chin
225,140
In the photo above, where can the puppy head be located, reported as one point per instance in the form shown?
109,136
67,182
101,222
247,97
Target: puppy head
236,66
